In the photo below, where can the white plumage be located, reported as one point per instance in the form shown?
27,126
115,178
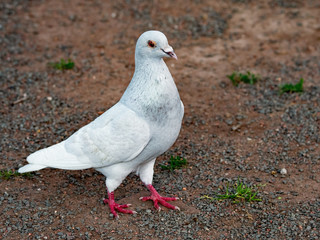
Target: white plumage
130,135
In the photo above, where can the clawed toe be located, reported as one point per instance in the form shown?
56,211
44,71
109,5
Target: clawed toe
115,207
157,199
145,198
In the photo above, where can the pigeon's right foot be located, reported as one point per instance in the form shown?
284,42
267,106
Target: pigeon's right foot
117,207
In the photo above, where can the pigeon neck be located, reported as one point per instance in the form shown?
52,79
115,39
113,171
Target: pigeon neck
145,62
149,69
152,86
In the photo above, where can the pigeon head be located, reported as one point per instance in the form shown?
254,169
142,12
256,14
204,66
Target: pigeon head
154,44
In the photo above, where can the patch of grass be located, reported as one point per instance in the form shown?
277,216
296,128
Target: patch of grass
290,88
8,174
238,192
237,77
62,65
174,163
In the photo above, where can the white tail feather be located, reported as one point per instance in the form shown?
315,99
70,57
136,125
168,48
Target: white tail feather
55,156
30,168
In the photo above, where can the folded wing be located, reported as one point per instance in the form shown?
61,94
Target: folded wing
118,135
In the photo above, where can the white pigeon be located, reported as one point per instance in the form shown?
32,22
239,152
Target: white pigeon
131,134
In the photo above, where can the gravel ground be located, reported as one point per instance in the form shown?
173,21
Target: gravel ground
229,133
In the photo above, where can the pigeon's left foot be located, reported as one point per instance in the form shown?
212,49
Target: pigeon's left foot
116,207
156,198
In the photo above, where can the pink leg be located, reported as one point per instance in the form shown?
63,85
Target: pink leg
115,206
156,198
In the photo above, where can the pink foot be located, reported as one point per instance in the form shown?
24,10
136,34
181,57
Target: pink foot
156,198
115,206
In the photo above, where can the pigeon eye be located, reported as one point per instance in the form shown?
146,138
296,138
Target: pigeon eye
151,43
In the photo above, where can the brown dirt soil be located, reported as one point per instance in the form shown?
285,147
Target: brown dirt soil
228,132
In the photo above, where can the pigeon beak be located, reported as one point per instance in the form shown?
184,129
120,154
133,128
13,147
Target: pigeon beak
169,51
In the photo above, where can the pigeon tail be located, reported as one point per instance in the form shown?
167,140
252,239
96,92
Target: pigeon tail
30,168
55,156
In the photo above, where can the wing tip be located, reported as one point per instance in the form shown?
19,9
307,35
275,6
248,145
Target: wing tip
30,168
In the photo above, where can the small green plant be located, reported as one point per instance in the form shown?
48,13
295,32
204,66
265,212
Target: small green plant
238,192
237,77
8,174
63,65
174,163
290,88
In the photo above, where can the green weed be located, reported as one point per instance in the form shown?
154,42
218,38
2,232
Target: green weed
237,77
174,163
290,88
238,192
63,65
8,174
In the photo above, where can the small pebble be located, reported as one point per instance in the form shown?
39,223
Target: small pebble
283,171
